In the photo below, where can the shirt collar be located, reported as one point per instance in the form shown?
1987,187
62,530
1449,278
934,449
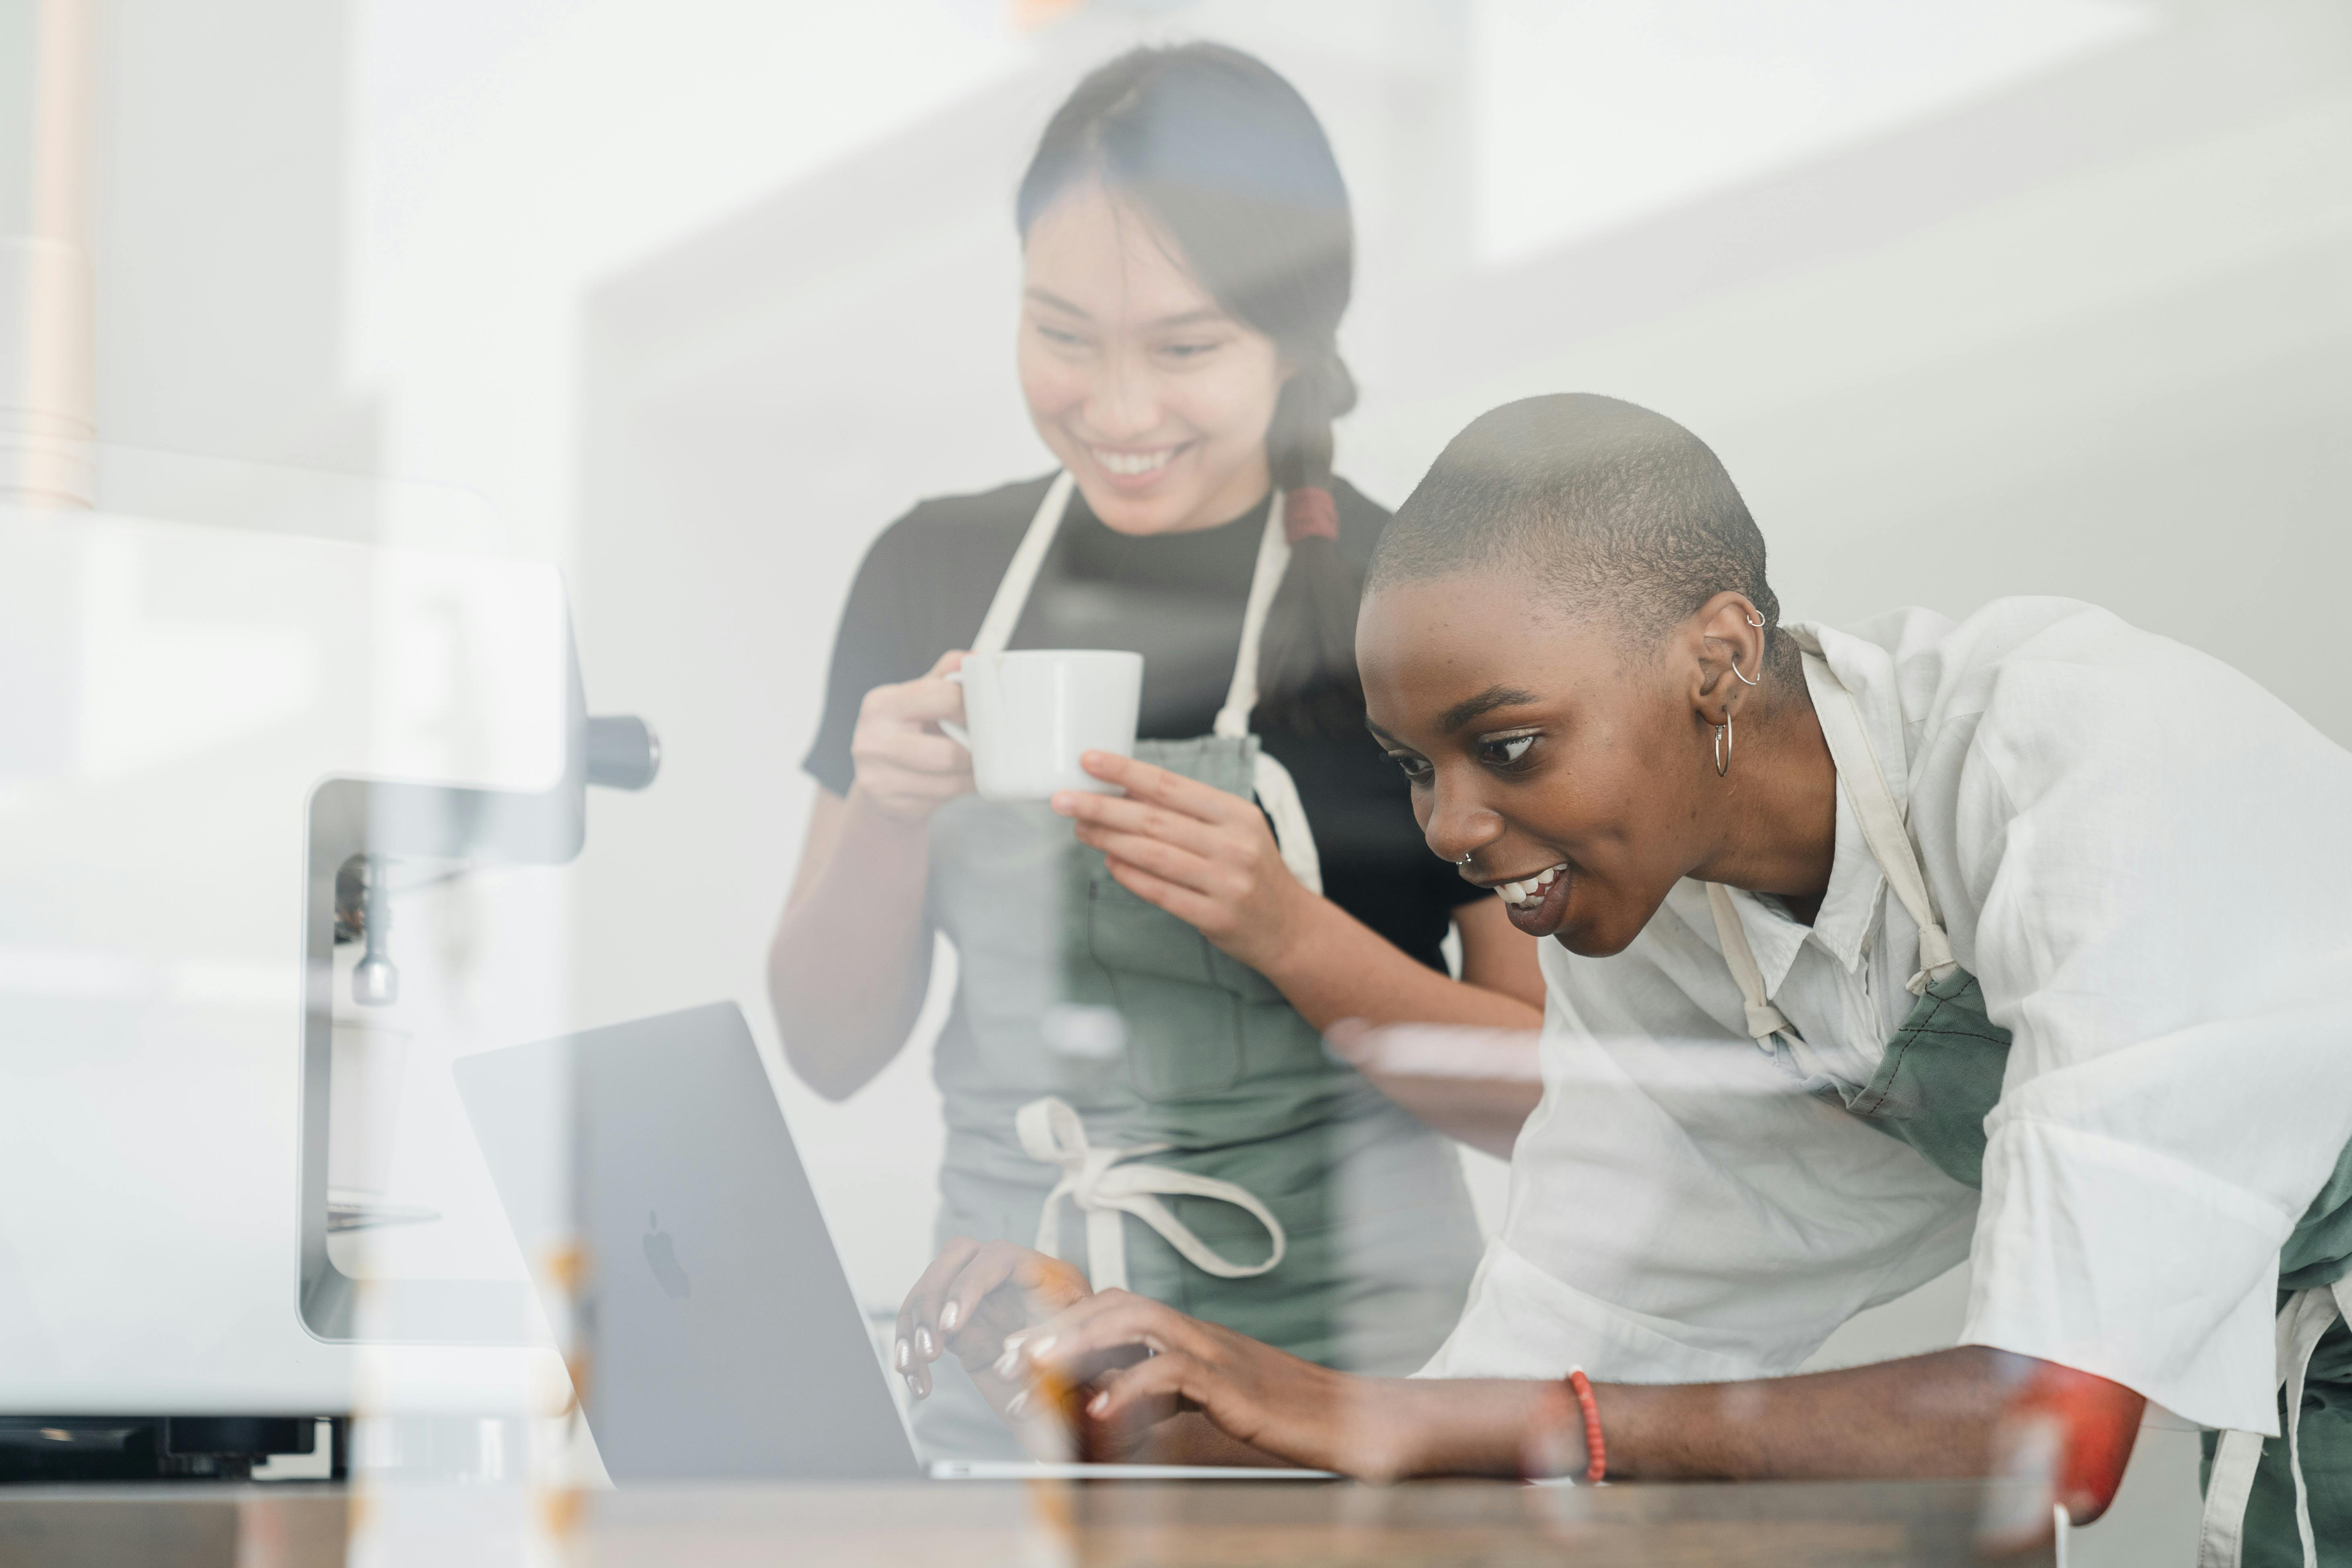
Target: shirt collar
1850,907
1849,910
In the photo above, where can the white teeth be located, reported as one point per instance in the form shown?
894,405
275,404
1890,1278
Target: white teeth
1531,891
1131,463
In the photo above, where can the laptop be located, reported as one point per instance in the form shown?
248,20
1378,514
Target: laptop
720,1334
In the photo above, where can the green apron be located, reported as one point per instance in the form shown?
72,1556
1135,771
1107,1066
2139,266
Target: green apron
1939,1079
1120,1092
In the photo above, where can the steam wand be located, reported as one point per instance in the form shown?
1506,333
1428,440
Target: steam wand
375,982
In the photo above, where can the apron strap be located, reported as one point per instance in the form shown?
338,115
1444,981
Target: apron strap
1021,574
1103,1190
1764,1020
1767,1024
2221,1537
1278,792
1881,818
1270,781
1266,580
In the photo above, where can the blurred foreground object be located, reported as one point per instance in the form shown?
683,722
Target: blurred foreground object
1761,1525
46,419
1471,1084
224,754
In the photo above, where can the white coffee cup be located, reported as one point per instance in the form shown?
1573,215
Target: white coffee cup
1029,714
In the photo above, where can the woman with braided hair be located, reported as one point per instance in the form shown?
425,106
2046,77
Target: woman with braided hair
1144,978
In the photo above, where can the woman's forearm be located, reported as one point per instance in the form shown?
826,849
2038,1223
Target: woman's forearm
1331,966
1963,1413
1924,1416
852,955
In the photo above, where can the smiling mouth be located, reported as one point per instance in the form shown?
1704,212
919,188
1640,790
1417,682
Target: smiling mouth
1133,465
1529,892
1537,905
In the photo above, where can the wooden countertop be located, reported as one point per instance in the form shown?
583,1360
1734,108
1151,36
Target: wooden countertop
1000,1525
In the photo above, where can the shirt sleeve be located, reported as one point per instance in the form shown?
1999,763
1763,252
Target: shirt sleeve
871,648
2152,847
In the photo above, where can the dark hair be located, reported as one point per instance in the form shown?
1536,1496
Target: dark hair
1229,161
1619,509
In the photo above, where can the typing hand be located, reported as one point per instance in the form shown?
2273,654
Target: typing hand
972,1296
1264,1398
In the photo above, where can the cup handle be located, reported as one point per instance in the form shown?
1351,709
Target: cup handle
949,727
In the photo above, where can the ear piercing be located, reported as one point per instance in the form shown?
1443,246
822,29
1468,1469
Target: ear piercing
1722,731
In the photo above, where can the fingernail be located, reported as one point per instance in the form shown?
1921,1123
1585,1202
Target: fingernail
923,1341
1038,1347
903,1354
1009,1363
1017,1404
949,1314
1099,1404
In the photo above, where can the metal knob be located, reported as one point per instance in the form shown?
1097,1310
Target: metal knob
623,752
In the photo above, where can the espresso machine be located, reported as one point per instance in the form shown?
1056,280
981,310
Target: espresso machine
281,820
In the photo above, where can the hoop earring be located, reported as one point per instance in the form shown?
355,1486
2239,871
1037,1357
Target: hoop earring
1723,747
1756,620
1735,669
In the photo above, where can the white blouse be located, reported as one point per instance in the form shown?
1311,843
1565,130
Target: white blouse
2139,853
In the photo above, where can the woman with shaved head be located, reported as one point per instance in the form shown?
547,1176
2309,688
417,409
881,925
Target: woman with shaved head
2015,938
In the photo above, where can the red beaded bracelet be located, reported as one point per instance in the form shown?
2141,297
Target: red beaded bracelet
1598,1450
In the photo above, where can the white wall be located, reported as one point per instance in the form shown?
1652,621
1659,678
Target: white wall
700,296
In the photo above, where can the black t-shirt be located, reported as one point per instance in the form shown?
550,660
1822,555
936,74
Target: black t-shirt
1175,598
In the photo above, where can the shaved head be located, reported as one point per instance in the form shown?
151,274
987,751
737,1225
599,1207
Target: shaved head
1613,510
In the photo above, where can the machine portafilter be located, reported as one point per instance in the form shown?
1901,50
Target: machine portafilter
619,751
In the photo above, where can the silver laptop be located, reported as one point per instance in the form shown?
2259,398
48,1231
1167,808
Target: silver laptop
721,1337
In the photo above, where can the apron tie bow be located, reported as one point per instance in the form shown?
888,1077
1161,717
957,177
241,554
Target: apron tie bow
1103,1189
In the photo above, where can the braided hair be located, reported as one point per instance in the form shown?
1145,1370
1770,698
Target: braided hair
1225,156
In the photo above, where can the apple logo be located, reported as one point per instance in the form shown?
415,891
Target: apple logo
662,1252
